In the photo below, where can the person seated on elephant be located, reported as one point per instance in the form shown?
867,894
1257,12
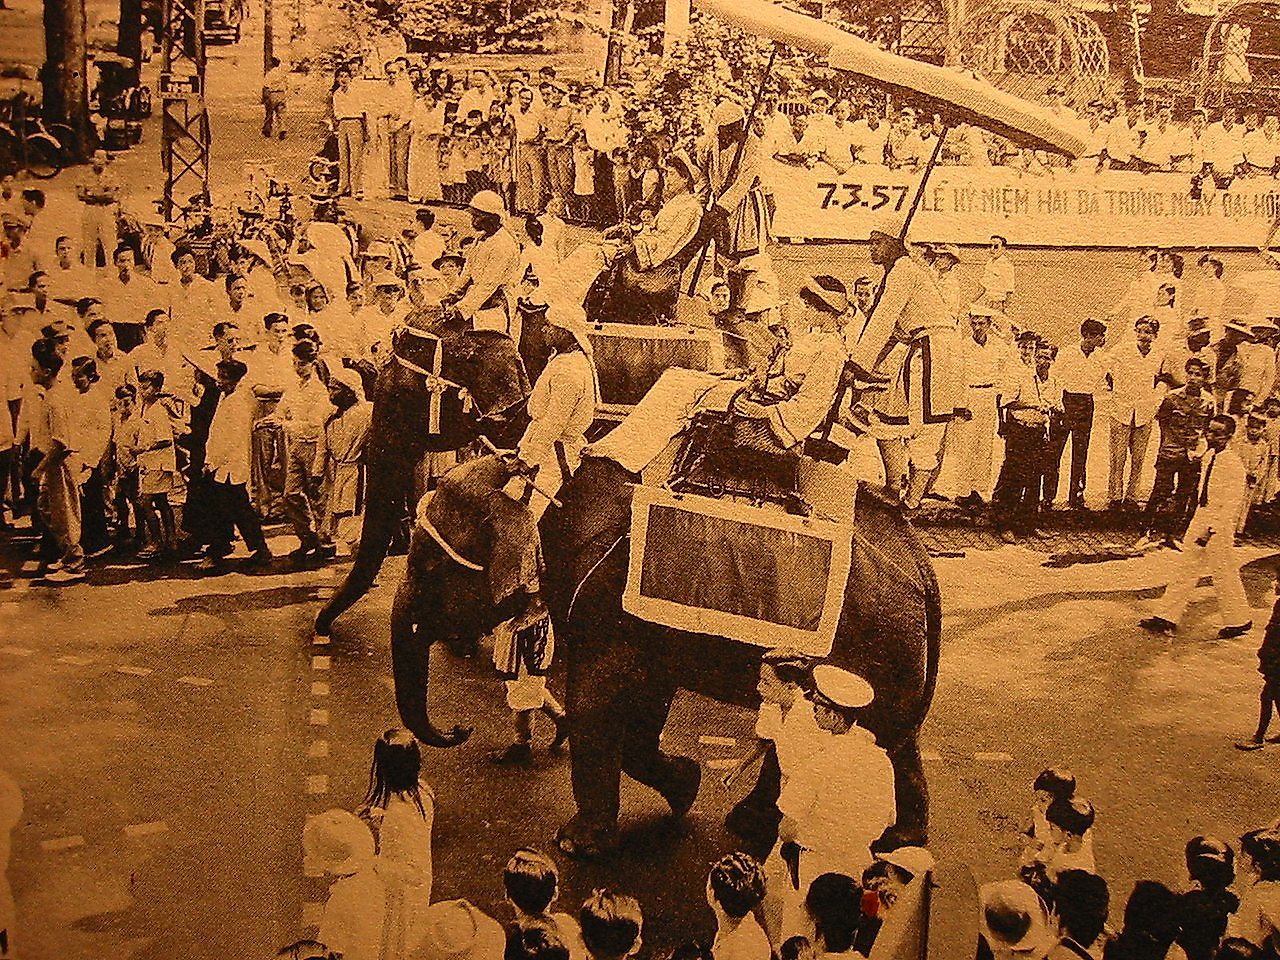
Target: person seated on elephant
778,411
836,805
561,408
612,925
653,259
493,264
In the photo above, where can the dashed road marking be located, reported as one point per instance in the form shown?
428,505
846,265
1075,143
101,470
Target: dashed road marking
196,681
312,911
62,843
320,641
318,748
135,830
17,651
319,689
135,671
76,661
722,764
317,784
319,718
31,566
998,757
930,755
321,663
719,741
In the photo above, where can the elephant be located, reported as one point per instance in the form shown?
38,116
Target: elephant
623,673
488,366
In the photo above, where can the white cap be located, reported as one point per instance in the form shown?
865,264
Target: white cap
891,225
842,687
486,201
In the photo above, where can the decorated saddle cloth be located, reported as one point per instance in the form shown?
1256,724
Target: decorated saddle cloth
481,528
632,357
716,566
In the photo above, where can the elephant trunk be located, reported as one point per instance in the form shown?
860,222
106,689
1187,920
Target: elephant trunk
410,666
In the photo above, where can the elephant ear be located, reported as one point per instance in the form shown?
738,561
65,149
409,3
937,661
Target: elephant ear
515,558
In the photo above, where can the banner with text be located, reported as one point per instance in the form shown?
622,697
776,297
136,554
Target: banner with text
1063,209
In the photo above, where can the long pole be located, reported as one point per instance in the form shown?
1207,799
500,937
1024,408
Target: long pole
268,35
66,87
735,164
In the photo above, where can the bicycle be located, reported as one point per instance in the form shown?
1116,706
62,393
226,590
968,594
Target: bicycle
27,144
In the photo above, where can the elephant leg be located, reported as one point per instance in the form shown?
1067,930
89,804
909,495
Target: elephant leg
911,792
375,539
676,778
596,710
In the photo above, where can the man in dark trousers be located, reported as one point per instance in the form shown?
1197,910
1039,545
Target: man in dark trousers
1079,370
1183,415
1030,397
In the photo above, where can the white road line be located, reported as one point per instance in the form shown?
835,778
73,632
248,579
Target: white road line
722,764
719,741
993,757
17,651
930,755
321,663
135,830
76,661
318,749
319,689
196,681
320,641
135,671
62,843
31,566
311,913
317,784
319,718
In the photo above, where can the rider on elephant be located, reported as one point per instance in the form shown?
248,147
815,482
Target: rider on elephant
492,266
926,384
561,408
795,393
652,262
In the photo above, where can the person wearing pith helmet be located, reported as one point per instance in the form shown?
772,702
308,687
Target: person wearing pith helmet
926,385
836,805
480,294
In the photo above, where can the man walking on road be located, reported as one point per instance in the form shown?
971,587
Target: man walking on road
1210,539
275,86
99,191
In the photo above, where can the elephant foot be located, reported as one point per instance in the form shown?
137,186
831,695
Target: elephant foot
686,775
581,841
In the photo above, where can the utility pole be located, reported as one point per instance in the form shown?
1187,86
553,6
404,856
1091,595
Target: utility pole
268,35
184,136
129,36
620,23
65,80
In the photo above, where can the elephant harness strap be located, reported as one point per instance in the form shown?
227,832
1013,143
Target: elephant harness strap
436,384
429,529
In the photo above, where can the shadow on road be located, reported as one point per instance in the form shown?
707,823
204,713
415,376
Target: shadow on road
231,605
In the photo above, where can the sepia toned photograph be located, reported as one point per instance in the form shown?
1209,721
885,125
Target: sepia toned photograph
640,479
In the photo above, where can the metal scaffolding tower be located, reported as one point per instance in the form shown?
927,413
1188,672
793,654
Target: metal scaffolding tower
184,141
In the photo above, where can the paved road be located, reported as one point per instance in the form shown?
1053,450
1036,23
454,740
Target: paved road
173,732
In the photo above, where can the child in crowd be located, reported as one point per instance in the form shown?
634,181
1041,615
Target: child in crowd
735,888
537,940
611,925
1069,824
1258,918
158,478
1052,784
404,808
1203,910
1255,451
345,433
531,883
1080,902
124,445
339,844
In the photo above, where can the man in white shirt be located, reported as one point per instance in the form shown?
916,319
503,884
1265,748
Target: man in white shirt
868,136
349,125
1080,372
984,358
838,803
1209,293
1226,146
1208,546
396,104
302,413
1141,292
228,458
997,276
1130,371
530,158
192,299
275,91
1262,147
127,295
1030,398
